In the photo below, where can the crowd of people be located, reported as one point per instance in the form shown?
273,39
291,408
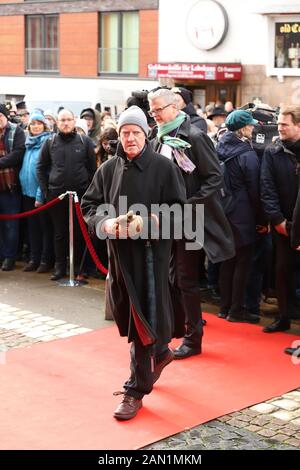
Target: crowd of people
163,150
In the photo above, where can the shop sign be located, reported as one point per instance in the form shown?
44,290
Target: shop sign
196,71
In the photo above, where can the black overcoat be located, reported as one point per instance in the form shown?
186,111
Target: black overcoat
202,187
149,179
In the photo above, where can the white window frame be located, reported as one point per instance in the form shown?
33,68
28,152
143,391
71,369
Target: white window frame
271,70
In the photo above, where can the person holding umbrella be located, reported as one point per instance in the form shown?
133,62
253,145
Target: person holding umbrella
138,290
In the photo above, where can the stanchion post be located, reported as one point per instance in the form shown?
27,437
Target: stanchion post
71,282
71,239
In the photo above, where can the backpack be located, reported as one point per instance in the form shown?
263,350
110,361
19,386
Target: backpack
226,195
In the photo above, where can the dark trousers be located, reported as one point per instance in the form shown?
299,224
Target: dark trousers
185,291
234,274
284,272
260,269
140,382
40,234
213,272
10,203
60,219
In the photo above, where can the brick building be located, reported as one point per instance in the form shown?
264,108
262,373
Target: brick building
96,50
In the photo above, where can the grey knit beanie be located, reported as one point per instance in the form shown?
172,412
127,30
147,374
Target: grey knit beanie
133,115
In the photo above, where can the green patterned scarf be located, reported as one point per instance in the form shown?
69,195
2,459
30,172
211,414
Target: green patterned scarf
164,129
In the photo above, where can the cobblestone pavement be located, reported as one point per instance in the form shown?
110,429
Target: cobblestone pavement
274,424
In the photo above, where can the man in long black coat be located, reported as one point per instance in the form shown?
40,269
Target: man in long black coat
193,152
141,306
279,189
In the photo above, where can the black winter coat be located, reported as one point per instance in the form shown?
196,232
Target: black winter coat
279,183
67,163
202,186
198,121
14,157
244,173
148,179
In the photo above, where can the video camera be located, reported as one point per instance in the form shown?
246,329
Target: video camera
14,118
266,129
140,98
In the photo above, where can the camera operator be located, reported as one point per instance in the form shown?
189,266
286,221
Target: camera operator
140,98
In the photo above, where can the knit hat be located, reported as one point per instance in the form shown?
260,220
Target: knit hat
50,113
184,93
238,119
36,115
133,115
3,110
82,124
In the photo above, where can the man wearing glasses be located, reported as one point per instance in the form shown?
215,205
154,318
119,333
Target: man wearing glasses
23,114
191,150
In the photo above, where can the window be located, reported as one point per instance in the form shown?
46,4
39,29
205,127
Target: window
42,43
284,53
119,43
287,48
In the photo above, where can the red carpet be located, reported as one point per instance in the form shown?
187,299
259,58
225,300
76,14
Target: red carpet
58,395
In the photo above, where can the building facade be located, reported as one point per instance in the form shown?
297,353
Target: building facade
96,50
230,49
100,50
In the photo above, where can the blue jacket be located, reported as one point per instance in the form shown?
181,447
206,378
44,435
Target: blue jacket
243,172
28,178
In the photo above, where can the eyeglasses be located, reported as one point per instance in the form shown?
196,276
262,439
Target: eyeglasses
154,112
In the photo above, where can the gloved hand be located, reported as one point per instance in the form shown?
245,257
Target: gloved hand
135,226
123,221
110,226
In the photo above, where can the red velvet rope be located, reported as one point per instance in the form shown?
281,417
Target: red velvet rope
32,212
88,240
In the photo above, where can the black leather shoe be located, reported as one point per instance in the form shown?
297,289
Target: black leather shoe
43,268
58,274
293,351
128,408
162,364
183,351
30,266
281,324
243,317
8,264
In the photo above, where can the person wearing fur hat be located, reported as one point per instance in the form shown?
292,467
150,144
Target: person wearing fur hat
12,148
40,232
146,178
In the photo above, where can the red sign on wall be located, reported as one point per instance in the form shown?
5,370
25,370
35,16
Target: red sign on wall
196,71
